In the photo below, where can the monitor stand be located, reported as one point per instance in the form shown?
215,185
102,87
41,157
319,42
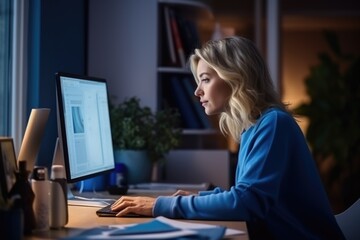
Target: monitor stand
92,199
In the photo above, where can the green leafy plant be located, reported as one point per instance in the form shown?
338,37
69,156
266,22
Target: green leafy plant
138,128
334,119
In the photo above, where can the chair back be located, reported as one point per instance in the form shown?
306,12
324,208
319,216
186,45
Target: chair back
349,221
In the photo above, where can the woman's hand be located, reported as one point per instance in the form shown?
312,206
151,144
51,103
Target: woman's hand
138,205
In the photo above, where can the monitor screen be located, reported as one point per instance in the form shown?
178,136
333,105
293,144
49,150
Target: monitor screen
84,126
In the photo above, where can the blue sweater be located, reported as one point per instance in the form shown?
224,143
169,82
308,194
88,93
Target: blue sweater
277,189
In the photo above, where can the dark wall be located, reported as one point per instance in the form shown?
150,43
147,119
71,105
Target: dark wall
57,42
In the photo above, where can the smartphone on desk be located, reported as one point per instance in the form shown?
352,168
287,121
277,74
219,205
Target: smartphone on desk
107,212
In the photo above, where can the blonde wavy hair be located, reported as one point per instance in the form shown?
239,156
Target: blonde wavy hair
238,62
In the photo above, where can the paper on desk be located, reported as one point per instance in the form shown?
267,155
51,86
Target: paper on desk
159,228
188,225
105,232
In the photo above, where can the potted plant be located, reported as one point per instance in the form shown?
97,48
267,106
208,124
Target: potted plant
333,113
142,137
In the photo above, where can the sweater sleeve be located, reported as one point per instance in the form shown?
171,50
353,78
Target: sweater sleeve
260,168
215,190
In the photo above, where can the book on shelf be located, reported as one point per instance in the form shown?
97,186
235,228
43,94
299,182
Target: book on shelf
177,38
169,36
184,104
180,35
189,34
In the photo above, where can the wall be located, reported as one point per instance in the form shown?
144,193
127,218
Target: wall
57,42
123,47
300,51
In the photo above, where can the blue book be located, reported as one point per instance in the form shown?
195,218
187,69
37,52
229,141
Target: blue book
184,104
190,87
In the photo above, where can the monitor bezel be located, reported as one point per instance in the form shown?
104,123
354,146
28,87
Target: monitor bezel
62,127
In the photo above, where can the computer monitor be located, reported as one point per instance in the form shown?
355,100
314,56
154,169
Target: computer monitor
84,126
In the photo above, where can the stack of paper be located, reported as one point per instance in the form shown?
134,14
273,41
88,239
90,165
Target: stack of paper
158,228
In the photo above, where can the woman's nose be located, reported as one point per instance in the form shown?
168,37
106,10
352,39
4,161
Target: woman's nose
198,91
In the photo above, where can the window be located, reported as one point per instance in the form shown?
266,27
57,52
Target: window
13,69
5,65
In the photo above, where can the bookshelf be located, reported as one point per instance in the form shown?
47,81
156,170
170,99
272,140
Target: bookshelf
179,22
129,46
176,85
126,46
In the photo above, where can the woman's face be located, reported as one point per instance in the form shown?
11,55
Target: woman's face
213,92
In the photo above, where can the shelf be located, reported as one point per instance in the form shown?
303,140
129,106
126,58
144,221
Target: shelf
200,131
178,35
202,139
142,42
193,9
174,70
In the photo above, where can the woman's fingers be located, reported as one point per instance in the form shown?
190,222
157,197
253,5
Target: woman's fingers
137,205
126,211
122,199
122,203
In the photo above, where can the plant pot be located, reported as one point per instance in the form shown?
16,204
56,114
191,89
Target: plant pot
139,166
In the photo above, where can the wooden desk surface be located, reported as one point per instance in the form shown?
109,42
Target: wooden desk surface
81,218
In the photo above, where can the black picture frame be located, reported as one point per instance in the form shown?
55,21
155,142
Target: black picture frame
8,165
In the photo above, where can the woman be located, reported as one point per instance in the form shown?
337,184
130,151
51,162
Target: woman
277,189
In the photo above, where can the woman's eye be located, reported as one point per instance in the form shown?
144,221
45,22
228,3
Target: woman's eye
205,80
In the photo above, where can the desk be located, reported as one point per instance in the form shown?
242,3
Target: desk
81,218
